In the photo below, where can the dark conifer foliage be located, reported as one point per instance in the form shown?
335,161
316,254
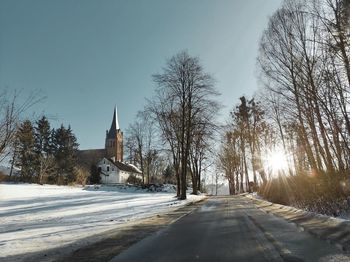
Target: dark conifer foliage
169,175
44,160
95,177
26,150
42,136
64,146
44,154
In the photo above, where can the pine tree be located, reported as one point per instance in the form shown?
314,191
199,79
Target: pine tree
42,135
25,158
44,159
64,147
169,174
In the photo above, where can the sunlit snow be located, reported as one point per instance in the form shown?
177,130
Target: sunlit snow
35,218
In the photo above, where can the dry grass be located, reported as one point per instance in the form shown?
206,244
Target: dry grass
323,193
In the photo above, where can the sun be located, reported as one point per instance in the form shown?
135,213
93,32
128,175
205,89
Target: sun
276,162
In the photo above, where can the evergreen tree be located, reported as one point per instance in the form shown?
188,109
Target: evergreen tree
25,158
71,154
169,174
44,159
42,136
64,148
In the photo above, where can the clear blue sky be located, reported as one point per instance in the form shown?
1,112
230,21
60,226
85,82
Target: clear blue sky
88,55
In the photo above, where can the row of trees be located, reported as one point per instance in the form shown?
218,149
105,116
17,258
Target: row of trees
44,154
182,117
244,142
305,69
302,109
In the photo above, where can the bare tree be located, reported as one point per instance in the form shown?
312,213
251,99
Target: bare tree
135,139
229,160
304,62
289,61
11,109
141,144
184,91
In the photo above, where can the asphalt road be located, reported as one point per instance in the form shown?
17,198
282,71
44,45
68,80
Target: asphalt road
231,229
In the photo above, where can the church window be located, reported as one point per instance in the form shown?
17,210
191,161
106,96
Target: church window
107,168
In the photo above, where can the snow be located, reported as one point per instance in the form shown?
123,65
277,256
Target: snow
35,218
133,166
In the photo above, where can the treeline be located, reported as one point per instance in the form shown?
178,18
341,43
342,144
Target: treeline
245,142
304,62
44,154
304,72
177,125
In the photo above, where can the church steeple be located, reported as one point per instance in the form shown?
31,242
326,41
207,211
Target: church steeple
114,126
114,139
115,117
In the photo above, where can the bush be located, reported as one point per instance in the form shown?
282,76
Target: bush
132,179
81,175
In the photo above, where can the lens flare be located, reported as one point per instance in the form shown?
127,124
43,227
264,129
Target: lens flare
276,162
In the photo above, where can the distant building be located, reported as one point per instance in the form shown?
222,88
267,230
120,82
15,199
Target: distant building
110,159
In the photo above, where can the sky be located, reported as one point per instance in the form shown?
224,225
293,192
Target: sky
86,56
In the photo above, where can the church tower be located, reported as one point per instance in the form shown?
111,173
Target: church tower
114,140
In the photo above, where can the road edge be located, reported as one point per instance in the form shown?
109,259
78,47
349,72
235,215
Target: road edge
335,231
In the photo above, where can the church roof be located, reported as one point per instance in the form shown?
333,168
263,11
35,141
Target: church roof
114,126
125,167
88,157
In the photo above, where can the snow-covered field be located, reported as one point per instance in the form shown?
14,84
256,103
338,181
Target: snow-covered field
34,218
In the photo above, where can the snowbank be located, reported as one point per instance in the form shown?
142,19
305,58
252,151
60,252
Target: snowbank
153,188
35,218
334,230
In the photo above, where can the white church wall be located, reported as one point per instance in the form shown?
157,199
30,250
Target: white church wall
110,178
109,174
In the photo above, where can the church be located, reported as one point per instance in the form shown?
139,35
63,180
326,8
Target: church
109,160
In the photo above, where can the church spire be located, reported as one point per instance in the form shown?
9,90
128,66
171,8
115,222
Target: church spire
114,139
116,117
114,126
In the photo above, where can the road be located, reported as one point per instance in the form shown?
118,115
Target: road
231,229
